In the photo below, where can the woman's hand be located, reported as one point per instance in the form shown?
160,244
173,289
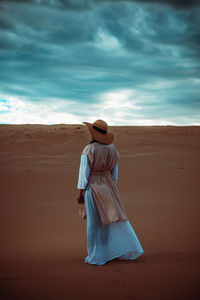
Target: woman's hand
80,198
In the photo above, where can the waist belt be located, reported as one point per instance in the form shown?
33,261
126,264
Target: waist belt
100,173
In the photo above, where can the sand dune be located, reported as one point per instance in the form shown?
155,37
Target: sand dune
43,240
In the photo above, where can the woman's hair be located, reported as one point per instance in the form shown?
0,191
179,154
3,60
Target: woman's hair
93,141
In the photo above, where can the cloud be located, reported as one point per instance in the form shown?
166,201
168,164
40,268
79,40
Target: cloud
117,107
179,4
19,111
79,53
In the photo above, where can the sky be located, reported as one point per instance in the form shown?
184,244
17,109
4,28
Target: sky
126,62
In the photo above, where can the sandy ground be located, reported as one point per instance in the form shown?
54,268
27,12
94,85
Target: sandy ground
43,241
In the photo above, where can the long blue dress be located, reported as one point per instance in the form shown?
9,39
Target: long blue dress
104,243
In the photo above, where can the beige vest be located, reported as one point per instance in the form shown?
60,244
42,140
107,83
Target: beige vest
102,159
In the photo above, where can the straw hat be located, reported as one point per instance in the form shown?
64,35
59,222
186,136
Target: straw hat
99,131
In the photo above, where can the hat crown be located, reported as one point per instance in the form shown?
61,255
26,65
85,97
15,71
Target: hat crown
101,124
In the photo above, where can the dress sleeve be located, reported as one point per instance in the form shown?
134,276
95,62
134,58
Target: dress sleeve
84,172
115,172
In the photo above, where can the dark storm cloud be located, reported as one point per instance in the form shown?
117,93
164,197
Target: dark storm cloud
60,4
78,50
181,4
77,4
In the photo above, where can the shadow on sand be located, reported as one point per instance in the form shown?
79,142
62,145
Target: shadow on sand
164,257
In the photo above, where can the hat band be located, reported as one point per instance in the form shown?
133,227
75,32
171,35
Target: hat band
99,129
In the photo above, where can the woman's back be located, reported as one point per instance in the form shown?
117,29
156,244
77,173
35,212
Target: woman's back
101,157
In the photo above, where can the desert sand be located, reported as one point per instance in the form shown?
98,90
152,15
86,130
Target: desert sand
43,240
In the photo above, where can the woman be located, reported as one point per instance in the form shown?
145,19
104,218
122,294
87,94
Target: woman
109,233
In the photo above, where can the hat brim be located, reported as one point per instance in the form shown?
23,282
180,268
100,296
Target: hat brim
106,138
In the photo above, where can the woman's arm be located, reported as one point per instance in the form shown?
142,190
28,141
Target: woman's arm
84,173
115,172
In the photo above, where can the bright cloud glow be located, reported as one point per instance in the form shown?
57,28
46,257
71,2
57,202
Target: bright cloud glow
115,107
16,111
106,42
118,100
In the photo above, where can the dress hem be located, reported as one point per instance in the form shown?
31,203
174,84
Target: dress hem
116,256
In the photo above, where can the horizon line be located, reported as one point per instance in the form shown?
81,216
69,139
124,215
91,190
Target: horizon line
79,124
